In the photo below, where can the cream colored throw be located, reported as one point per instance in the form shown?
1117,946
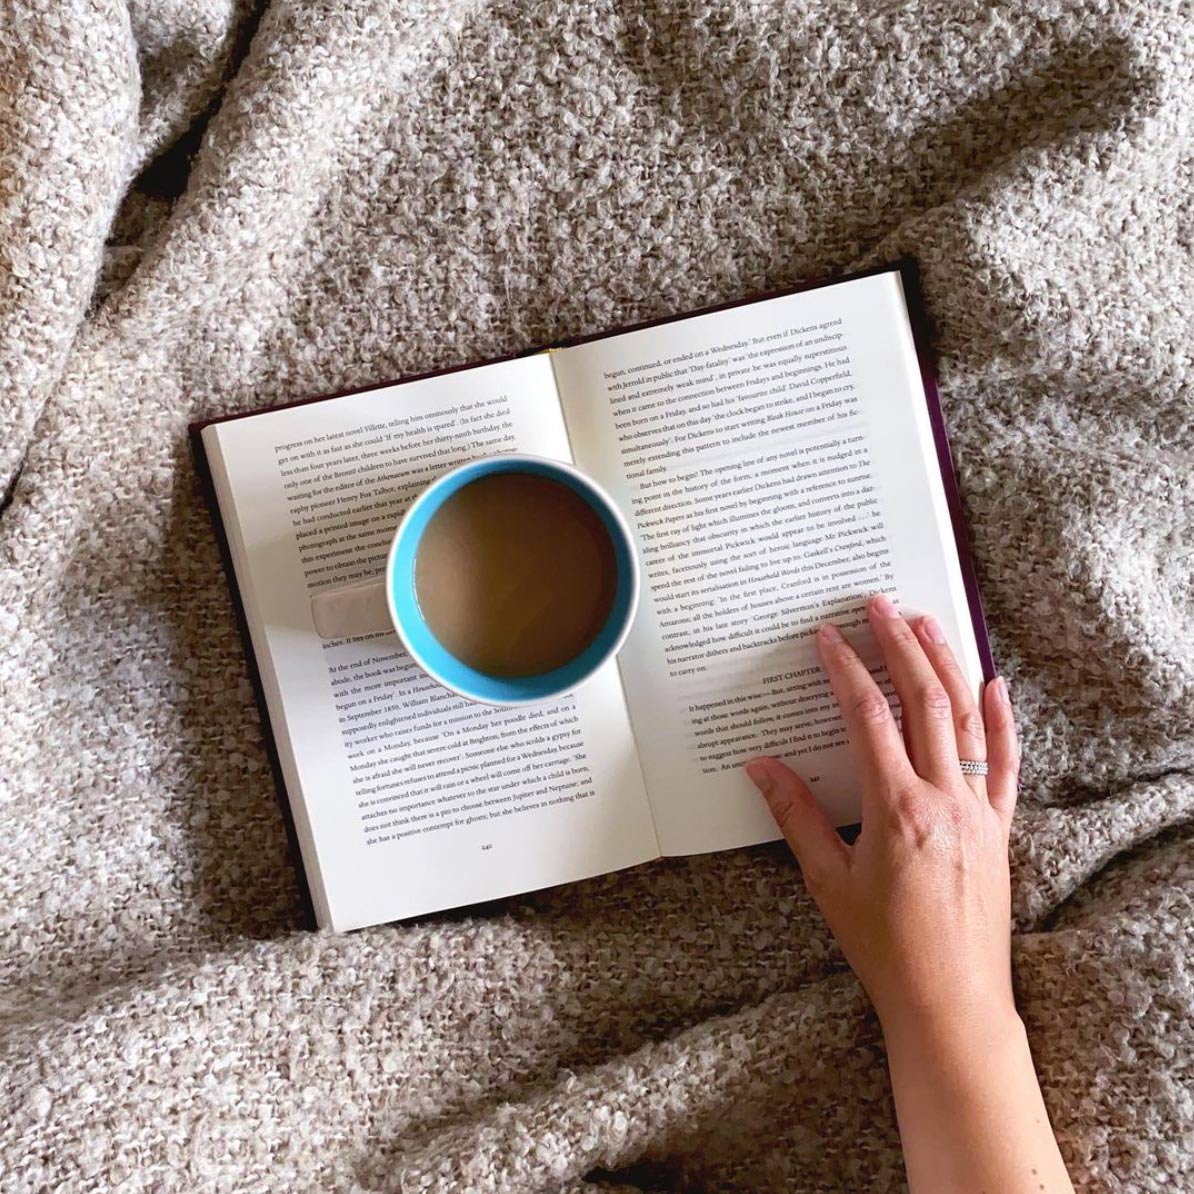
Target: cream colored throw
207,208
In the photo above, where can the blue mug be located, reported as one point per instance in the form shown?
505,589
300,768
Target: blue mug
390,603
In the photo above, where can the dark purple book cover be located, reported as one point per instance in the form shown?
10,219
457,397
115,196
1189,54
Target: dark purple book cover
910,280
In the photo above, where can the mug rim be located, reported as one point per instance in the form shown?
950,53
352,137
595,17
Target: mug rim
589,488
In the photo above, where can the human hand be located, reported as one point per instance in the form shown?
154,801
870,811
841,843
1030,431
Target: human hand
920,904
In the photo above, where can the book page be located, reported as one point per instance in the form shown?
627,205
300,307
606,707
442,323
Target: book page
777,463
409,799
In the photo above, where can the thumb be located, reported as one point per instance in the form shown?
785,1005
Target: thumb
805,827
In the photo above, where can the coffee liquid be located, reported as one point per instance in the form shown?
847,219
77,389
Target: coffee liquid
515,574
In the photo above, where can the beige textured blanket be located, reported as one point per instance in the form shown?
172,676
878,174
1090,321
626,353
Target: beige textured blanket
206,207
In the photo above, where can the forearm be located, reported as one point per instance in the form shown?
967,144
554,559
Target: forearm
970,1109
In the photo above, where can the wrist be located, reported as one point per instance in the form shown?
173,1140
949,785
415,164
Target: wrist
956,1032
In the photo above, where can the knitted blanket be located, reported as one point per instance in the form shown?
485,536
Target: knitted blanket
211,205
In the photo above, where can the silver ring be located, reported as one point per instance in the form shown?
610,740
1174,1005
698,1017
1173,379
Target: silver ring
972,767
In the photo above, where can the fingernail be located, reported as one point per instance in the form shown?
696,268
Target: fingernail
760,777
882,605
932,629
830,633
1001,693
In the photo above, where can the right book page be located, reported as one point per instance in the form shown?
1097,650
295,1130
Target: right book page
778,464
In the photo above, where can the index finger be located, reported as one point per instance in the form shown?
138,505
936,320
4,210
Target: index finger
878,746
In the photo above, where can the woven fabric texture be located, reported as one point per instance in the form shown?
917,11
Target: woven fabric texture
210,206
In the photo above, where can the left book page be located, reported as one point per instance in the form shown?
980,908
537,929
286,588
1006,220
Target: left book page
406,798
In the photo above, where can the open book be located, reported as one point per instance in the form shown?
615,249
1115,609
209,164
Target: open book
778,460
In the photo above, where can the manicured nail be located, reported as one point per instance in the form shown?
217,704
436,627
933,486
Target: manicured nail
761,777
932,629
882,605
830,633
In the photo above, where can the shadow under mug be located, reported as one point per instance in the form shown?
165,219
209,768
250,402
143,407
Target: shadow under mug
390,603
